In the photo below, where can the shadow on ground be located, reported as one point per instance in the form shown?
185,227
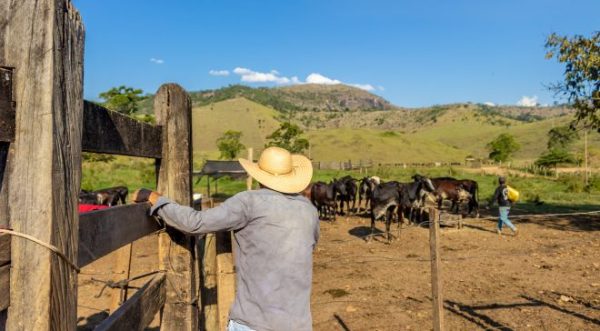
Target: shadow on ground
474,314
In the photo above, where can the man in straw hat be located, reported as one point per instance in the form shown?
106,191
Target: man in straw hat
276,230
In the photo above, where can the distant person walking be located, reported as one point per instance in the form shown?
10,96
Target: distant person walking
504,204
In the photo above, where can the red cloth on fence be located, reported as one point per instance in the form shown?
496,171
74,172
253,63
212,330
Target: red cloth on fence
84,208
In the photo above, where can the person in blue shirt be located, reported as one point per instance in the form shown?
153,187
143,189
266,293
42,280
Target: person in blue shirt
504,204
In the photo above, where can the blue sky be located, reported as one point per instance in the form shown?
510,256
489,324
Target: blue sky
414,53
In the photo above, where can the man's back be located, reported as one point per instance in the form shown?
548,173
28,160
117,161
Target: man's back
274,261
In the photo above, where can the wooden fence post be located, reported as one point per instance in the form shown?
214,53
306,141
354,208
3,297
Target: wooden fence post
173,111
43,41
225,277
436,281
209,286
249,179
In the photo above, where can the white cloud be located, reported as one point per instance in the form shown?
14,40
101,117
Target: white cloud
252,76
489,103
219,72
528,101
366,87
381,88
157,61
273,76
316,78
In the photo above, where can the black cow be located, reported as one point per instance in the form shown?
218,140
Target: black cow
365,191
448,188
108,196
412,197
384,201
350,188
322,196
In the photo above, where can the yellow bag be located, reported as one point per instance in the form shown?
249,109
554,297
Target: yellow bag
513,195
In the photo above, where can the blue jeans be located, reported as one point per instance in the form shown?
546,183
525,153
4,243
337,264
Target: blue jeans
235,326
503,218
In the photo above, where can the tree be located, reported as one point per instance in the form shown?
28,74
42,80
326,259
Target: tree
554,157
502,147
288,137
561,137
229,144
122,99
581,85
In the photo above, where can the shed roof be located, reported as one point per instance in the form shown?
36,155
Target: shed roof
218,168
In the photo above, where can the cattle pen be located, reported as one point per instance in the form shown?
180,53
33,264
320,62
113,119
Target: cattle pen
44,126
44,242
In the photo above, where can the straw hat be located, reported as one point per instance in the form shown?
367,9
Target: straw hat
280,170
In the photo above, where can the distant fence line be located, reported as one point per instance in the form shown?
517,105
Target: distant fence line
368,164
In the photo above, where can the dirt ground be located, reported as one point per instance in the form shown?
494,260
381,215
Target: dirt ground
546,278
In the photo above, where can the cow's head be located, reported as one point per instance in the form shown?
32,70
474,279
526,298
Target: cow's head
340,187
425,182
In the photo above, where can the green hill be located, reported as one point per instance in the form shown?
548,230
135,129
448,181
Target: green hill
209,122
442,133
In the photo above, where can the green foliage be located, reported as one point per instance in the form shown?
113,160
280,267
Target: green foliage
288,137
93,157
258,95
122,99
229,144
146,118
554,157
573,184
132,172
561,137
581,85
502,148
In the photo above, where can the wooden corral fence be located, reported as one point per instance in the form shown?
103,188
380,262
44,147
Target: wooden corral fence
44,126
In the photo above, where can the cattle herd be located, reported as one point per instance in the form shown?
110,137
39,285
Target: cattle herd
108,197
391,200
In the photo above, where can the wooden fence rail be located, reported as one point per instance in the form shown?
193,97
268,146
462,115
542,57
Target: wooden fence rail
104,231
109,132
137,312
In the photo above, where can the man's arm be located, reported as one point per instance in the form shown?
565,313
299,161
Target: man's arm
230,215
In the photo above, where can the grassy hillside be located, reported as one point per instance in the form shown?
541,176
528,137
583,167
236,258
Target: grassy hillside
379,146
209,122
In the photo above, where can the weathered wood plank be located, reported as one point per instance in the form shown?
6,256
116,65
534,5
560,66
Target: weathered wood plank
139,311
4,287
7,111
109,132
209,284
225,277
436,280
122,267
173,111
43,41
104,231
4,249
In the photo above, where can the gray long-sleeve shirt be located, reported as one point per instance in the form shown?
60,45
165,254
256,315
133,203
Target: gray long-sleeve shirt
275,234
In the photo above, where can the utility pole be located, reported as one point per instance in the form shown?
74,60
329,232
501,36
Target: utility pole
585,155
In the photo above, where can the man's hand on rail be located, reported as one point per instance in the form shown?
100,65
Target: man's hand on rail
145,195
